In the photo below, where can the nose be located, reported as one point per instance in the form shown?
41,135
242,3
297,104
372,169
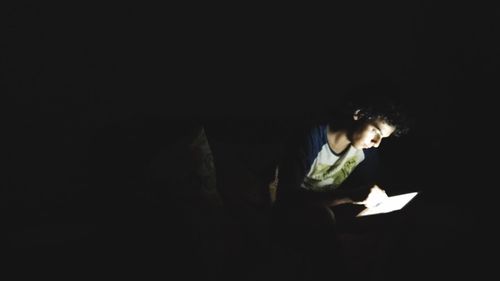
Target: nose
376,142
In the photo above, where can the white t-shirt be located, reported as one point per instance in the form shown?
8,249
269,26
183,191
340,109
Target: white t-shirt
329,170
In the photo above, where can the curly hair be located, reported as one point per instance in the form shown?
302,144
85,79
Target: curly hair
375,100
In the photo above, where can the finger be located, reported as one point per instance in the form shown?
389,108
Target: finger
359,202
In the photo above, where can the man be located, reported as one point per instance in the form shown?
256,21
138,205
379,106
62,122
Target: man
313,173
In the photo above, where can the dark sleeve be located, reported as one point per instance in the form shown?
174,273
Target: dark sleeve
292,165
295,163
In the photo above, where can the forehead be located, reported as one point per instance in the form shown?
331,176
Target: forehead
385,129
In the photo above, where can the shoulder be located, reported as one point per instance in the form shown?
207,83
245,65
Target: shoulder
313,137
305,134
317,132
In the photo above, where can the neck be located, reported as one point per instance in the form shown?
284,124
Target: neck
338,141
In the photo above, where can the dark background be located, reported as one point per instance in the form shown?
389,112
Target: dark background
76,78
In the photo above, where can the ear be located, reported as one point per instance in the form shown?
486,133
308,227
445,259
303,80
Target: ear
357,114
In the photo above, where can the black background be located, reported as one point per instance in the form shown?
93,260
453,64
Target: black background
70,71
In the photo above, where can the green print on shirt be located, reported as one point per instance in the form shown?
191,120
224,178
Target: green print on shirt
345,171
326,177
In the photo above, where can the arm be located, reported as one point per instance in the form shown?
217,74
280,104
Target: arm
296,160
371,197
294,166
361,186
374,198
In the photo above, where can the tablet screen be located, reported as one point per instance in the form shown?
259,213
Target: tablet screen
392,203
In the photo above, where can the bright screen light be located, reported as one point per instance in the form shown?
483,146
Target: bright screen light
392,203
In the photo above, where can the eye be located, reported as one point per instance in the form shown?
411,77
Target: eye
377,133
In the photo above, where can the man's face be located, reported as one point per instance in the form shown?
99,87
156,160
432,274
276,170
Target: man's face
371,133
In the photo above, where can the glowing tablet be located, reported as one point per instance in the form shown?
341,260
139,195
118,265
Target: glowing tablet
392,203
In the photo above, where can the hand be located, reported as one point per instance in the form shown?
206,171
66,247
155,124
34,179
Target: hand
374,198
